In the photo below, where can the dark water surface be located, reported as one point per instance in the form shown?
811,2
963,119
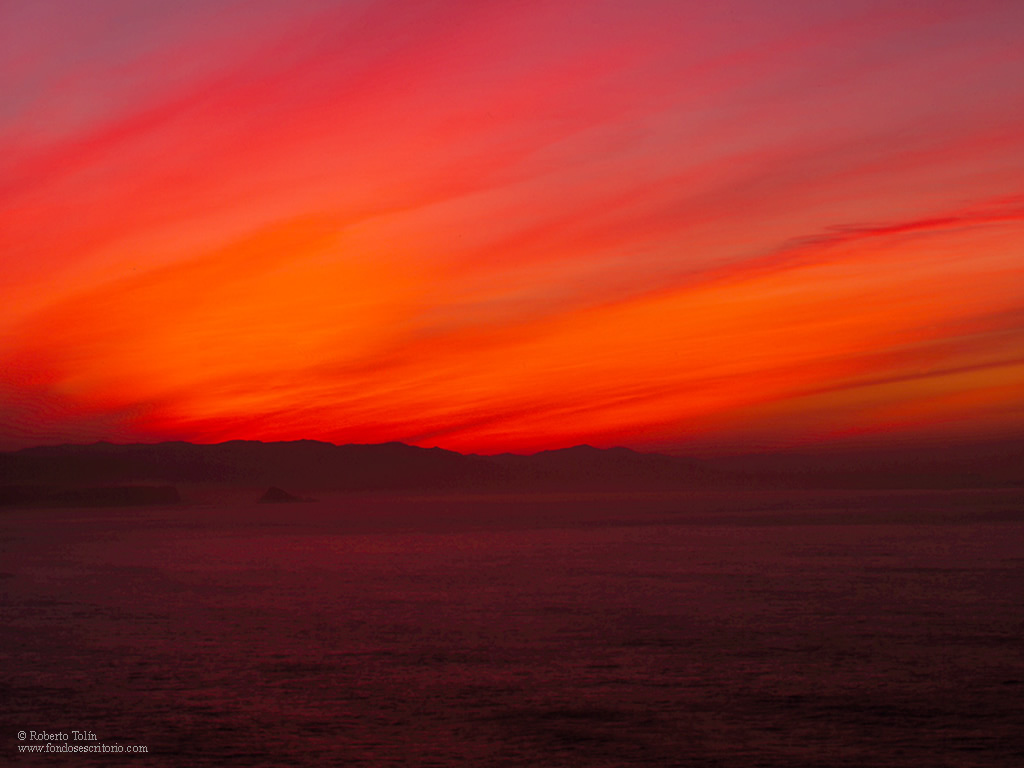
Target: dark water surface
799,629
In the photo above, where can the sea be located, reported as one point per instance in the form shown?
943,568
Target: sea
716,629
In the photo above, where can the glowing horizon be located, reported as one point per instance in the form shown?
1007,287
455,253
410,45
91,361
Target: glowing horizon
490,227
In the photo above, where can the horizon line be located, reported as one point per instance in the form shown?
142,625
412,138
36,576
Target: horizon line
831,447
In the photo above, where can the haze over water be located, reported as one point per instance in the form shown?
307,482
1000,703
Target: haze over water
711,629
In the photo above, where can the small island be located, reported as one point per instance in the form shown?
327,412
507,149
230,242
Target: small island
275,495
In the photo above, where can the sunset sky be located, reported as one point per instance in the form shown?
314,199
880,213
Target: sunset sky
489,226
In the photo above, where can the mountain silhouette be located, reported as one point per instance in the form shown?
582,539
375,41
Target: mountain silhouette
313,465
583,466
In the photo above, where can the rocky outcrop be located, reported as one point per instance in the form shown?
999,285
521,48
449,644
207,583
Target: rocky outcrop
100,496
275,495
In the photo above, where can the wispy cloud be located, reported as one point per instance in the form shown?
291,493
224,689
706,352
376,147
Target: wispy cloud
503,226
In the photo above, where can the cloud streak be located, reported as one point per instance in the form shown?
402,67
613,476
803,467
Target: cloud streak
509,227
